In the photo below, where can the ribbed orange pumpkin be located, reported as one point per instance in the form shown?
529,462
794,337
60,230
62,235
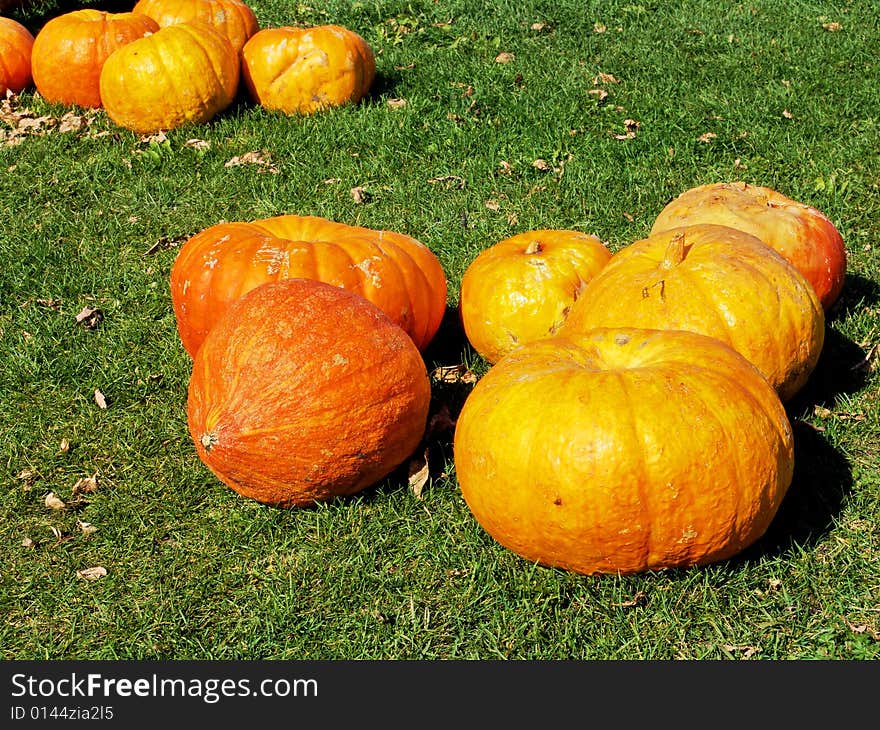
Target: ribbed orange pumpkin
304,70
218,265
181,74
233,18
715,281
304,392
70,50
16,43
624,450
803,235
521,289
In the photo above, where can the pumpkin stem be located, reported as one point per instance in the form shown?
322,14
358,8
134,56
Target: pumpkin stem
208,440
534,247
674,252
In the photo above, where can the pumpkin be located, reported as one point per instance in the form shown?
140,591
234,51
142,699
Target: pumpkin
716,281
522,288
802,234
303,392
16,43
233,18
70,50
621,450
304,70
181,74
219,264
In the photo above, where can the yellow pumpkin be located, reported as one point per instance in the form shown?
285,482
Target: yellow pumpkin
622,450
522,288
716,281
182,74
304,70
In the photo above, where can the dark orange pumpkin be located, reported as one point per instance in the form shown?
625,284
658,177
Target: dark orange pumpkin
621,450
70,50
218,265
303,392
16,43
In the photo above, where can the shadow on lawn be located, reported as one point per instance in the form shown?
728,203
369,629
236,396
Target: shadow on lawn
822,475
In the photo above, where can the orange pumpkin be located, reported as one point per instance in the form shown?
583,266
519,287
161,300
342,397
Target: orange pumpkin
16,43
622,450
801,234
304,70
233,18
70,50
304,392
181,74
715,281
522,288
218,265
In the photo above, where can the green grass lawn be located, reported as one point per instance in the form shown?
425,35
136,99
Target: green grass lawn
773,92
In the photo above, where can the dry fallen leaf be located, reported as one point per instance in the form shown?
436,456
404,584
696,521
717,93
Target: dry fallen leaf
539,26
197,144
832,27
707,137
360,195
504,57
600,94
418,473
541,165
64,446
493,205
603,78
54,502
27,542
260,159
85,485
90,317
93,573
396,103
100,399
599,27
453,180
631,126
87,527
787,114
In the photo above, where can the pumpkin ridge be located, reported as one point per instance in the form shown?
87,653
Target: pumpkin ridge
423,287
622,375
207,62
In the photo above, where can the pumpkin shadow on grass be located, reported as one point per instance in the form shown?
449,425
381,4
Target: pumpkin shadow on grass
857,293
821,482
41,12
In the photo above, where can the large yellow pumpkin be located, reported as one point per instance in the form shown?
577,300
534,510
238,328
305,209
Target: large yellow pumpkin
233,18
304,392
803,235
16,43
304,70
181,74
218,265
70,50
522,288
715,281
624,450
